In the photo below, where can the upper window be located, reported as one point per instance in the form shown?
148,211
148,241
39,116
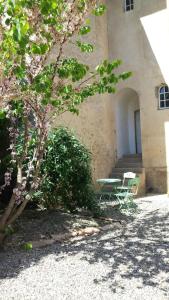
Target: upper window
164,97
129,5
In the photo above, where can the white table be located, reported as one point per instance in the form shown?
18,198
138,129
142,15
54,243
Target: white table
112,183
108,180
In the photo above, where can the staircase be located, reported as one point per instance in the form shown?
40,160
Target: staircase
130,163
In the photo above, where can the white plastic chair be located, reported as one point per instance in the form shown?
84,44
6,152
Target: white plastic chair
126,177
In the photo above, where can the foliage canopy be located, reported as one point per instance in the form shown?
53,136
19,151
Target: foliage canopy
29,31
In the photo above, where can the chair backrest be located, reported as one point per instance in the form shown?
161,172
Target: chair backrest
134,184
127,176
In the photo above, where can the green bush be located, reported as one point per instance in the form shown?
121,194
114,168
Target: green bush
5,158
66,172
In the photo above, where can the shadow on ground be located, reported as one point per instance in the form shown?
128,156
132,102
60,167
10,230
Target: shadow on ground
140,252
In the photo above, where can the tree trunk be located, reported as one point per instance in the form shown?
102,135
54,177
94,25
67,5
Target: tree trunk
2,238
7,211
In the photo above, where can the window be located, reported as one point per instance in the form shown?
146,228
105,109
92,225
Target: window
129,5
164,97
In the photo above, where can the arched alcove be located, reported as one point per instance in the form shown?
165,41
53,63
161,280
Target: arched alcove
128,129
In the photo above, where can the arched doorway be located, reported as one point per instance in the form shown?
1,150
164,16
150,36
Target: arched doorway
128,127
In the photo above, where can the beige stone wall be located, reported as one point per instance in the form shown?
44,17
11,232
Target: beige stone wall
156,180
95,123
138,38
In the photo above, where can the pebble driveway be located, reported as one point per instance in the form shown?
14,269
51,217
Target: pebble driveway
130,263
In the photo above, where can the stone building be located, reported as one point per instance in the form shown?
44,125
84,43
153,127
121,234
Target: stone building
130,130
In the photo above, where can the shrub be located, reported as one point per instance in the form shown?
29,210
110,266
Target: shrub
66,172
5,158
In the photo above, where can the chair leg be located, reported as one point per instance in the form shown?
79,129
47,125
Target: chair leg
122,200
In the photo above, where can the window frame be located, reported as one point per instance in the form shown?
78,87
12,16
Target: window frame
128,7
164,86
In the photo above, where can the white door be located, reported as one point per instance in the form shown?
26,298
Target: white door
138,132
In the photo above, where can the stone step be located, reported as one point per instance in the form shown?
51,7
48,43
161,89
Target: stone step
124,170
131,159
117,175
132,156
126,164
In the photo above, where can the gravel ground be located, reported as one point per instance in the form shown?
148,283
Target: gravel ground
130,263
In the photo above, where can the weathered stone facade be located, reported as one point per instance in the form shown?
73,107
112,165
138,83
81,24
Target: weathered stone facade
105,124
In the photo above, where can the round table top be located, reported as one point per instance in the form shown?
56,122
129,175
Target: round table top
108,180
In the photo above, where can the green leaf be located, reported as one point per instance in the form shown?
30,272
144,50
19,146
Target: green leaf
24,27
71,68
2,114
17,33
84,30
59,27
87,21
100,69
85,47
27,246
125,75
113,65
113,79
81,5
39,49
111,90
19,71
44,48
99,10
56,103
45,101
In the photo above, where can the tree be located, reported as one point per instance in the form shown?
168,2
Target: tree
34,91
